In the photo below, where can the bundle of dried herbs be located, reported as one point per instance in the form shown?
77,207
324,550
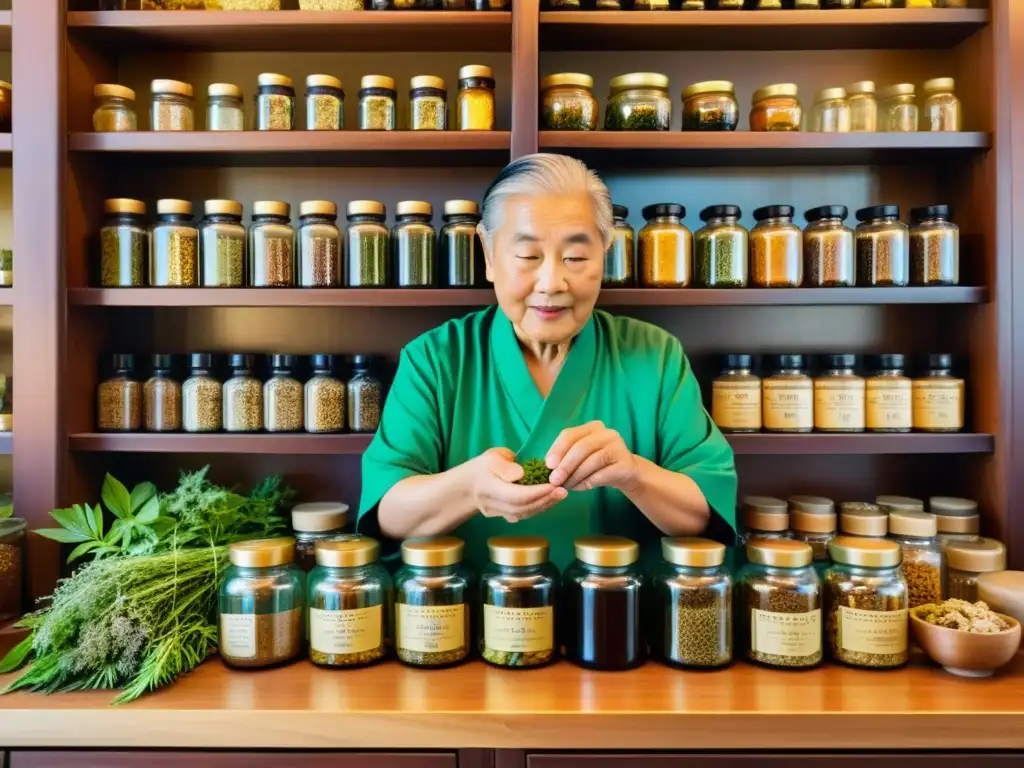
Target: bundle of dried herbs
535,472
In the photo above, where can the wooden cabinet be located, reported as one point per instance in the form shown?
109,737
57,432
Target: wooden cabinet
149,759
795,760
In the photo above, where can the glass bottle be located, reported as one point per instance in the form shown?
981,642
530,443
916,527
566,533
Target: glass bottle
428,104
271,245
325,103
812,519
938,397
282,396
243,397
225,108
459,247
602,591
639,102
736,396
313,523
829,248
324,397
432,603
119,398
365,396
862,518
114,109
883,247
776,249
222,245
173,106
262,605
720,248
956,520
934,246
567,103
788,395
839,396
831,111
888,395
377,96
863,106
124,244
898,109
475,102
776,108
319,241
275,102
665,247
967,561
620,260
201,397
710,106
924,565
519,589
942,111
161,397
412,240
174,259
368,245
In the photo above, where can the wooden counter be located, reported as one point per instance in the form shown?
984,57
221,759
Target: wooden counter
562,707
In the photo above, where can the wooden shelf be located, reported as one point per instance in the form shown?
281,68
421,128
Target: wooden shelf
758,30
860,444
408,31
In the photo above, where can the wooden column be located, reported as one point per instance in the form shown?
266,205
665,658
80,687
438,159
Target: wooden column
525,74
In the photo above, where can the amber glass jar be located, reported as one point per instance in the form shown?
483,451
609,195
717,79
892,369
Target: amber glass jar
967,561
862,518
567,103
934,246
831,111
888,395
776,108
638,102
665,248
938,397
720,248
828,248
956,520
710,106
897,109
788,395
736,396
620,260
924,564
863,107
883,247
839,396
776,249
942,111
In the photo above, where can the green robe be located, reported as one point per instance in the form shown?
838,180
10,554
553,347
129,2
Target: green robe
464,387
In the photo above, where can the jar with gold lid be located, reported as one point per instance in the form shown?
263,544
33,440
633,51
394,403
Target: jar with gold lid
275,103
519,588
720,248
476,98
325,103
862,518
812,519
271,245
639,102
222,245
863,106
839,396
350,598
620,260
883,247
225,108
369,244
828,248
956,520
831,111
377,99
314,522
124,244
710,106
567,103
887,395
776,108
942,110
262,602
967,561
114,109
413,241
665,246
938,397
776,249
924,564
174,258
428,104
788,395
898,109
461,254
319,242
736,396
173,107
934,246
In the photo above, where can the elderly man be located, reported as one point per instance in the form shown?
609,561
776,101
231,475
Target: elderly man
610,404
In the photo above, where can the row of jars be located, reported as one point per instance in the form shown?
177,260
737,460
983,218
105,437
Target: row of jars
837,399
640,101
739,5
307,5
173,104
219,251
201,403
883,251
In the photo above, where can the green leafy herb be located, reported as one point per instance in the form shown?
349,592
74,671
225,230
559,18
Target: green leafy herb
535,472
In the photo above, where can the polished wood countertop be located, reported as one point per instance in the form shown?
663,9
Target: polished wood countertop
562,706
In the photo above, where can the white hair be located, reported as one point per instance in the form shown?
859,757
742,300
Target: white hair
546,174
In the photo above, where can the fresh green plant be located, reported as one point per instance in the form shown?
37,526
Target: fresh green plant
535,472
6,506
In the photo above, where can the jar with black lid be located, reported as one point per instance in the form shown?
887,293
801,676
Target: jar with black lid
412,241
602,595
243,397
862,518
776,249
887,395
271,245
665,247
368,245
829,260
619,261
460,250
883,247
124,244
934,246
428,104
839,397
788,395
222,245
365,396
377,98
282,396
162,397
325,103
720,248
201,394
119,398
736,396
324,397
938,397
319,241
275,103
174,260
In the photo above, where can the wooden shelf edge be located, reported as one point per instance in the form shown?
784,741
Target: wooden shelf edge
739,141
861,444
190,20
860,17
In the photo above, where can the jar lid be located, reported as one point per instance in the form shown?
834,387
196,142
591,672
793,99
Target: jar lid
377,81
200,360
240,360
773,212
708,86
427,81
815,505
720,212
893,503
317,208
271,208
742,361
114,91
939,84
829,94
272,78
861,86
786,363
900,89
348,552
607,551
366,208
931,212
577,79
840,362
887,362
123,361
912,522
862,518
619,211
319,516
414,208
222,207
764,513
262,553
812,522
124,205
175,207
780,553
323,81
475,70
955,515
938,361
663,209
869,553
692,551
518,550
322,362
981,556
774,91
639,80
461,207
1002,591
224,89
284,362
827,212
171,86
432,551
878,212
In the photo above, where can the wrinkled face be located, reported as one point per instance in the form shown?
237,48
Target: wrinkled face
546,263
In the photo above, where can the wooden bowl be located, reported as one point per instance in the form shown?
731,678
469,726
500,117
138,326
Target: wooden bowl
965,653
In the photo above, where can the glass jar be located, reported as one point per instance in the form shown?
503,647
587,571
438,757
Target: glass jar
222,245
877,3
114,109
736,396
12,556
325,103
831,111
828,248
812,520
519,589
720,248
891,504
942,110
119,398
124,244
174,260
729,5
319,241
405,5
428,104
413,240
262,605
562,5
762,517
475,102
225,108
275,102
567,103
161,397
839,396
692,5
365,396
778,612
665,247
350,598
883,247
693,604
620,260
956,520
314,523
243,397
924,565
377,96
788,395
776,108
938,397
898,109
863,107
776,249
651,5
173,106
201,397
459,245
638,102
934,246
492,5
602,593
710,106
271,245
967,561
862,518
432,603
282,396
887,395
324,397
368,245
836,5
866,600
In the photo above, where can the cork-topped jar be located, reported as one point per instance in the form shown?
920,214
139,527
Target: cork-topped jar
413,243
115,109
957,520
314,522
475,103
222,245
271,245
967,561
862,518
124,244
174,258
924,564
275,102
325,103
368,244
173,106
428,103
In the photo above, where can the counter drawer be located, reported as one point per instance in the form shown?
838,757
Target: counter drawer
264,759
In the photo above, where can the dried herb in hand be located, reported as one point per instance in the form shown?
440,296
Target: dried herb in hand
535,472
